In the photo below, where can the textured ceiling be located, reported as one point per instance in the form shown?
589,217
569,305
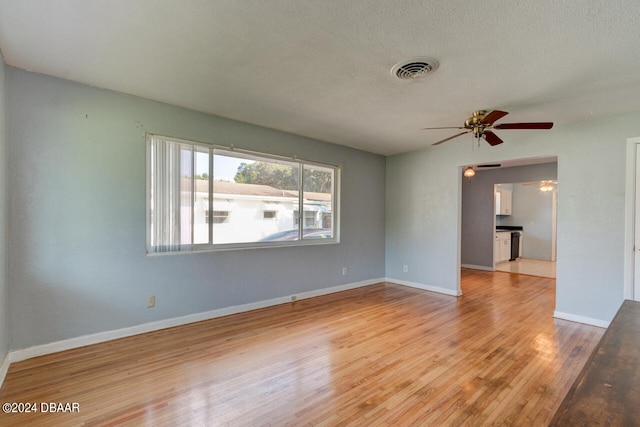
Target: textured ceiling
322,68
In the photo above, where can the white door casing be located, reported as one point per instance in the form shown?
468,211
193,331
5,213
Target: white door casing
632,222
636,242
554,224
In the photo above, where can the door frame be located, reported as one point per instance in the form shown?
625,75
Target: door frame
631,255
554,224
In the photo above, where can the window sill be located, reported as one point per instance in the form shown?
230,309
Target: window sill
247,246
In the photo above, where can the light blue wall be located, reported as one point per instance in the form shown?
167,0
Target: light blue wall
4,291
424,205
422,219
77,262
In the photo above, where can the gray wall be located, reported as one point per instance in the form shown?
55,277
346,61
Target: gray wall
4,291
424,205
77,262
533,210
478,212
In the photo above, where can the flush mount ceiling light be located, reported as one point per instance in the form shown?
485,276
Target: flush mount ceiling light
469,172
414,68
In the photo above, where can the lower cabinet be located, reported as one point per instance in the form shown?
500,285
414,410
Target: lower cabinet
502,247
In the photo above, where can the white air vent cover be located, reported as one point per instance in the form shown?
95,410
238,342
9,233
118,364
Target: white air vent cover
414,68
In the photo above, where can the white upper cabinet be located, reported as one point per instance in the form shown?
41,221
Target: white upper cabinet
503,201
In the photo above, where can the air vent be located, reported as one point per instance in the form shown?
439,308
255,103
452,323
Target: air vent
414,68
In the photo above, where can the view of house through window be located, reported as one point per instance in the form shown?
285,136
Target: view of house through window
231,198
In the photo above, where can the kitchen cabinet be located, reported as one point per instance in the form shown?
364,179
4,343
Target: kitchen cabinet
504,198
502,246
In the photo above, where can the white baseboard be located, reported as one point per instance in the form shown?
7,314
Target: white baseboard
581,319
68,344
424,287
477,267
4,367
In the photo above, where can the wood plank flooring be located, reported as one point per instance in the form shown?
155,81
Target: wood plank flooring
531,267
381,355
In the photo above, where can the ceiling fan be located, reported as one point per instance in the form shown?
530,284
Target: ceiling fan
544,185
481,123
543,181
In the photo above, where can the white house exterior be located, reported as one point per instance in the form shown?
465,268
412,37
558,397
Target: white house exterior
252,212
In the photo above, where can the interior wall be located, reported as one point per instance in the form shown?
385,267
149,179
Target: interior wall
424,201
4,291
478,211
77,216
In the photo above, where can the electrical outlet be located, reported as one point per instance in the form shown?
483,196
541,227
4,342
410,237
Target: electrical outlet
151,301
344,271
405,268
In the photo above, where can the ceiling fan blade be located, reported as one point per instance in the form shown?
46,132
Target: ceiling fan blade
547,181
450,127
492,117
492,138
491,165
451,137
539,125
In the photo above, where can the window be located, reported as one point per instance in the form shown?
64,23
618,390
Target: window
219,217
203,197
310,220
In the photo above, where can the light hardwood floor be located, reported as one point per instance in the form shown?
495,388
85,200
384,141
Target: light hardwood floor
531,267
380,355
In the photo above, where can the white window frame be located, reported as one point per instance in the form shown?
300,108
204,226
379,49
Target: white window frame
232,151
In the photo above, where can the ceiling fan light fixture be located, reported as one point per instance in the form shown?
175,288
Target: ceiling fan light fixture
545,186
469,172
414,68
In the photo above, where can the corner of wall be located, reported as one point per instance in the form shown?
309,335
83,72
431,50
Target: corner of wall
4,291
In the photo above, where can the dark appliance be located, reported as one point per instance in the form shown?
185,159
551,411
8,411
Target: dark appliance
515,245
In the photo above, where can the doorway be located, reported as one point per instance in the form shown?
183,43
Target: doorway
530,218
478,217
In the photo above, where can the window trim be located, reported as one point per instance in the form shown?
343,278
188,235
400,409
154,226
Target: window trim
208,247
